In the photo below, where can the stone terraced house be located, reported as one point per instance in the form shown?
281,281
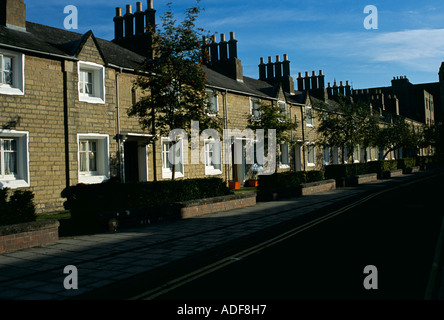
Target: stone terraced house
64,98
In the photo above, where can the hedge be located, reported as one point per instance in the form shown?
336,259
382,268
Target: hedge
339,171
281,182
16,207
88,202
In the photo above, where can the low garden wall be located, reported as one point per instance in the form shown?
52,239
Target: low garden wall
27,235
316,187
190,209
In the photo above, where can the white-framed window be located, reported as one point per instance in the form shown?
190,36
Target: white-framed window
335,155
12,75
213,157
283,107
255,108
377,153
284,160
356,157
168,158
213,102
14,159
326,155
91,82
93,158
311,155
309,116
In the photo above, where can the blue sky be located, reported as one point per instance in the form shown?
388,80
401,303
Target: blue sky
316,34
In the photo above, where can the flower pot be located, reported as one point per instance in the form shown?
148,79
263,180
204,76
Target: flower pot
234,184
253,183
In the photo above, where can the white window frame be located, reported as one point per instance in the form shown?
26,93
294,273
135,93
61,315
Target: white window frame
356,154
311,146
98,85
167,173
326,155
335,155
284,158
22,178
282,105
18,73
213,99
255,104
210,168
102,172
309,120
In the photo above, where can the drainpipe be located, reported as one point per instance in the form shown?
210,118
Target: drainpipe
119,146
303,136
227,165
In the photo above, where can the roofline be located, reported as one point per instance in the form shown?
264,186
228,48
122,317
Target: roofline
39,52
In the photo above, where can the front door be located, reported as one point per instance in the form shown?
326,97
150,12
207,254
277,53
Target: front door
131,161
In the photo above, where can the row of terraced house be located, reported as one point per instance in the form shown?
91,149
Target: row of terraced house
64,98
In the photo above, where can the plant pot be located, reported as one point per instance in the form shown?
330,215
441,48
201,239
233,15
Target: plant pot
234,184
253,183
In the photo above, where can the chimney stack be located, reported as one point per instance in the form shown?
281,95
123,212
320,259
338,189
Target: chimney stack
214,50
232,46
278,68
270,69
321,80
129,22
150,15
307,82
300,82
13,14
223,48
223,57
314,81
262,70
139,17
118,24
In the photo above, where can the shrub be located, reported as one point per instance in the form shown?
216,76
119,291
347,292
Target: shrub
19,208
87,202
282,182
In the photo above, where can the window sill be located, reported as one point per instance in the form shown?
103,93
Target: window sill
311,165
212,172
284,166
169,175
92,179
11,91
14,183
88,99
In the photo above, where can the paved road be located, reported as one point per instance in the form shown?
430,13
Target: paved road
396,232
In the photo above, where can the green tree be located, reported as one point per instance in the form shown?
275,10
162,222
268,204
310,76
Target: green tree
397,134
174,81
347,125
273,117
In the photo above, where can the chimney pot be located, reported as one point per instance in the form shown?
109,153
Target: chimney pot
118,12
128,9
150,4
321,73
232,36
223,48
285,57
232,46
262,60
278,59
139,6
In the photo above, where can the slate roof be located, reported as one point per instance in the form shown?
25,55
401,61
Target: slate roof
64,43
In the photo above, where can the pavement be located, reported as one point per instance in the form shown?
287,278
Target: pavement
102,259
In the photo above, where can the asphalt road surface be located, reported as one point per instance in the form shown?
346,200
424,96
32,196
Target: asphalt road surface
395,233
